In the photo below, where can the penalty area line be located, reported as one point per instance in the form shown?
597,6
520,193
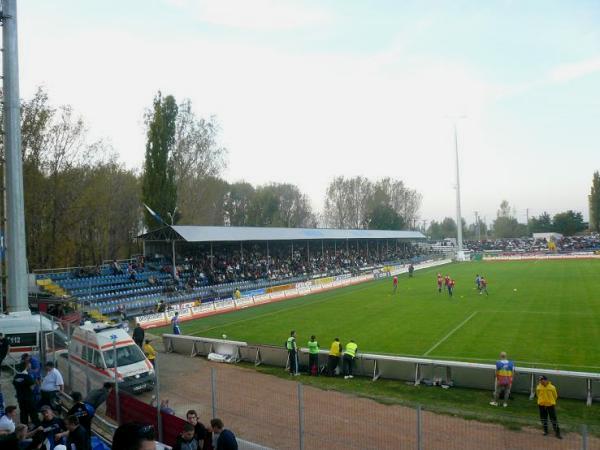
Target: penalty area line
454,330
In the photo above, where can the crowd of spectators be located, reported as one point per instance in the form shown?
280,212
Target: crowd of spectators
284,262
530,245
36,422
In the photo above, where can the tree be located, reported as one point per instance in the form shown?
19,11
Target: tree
280,205
159,190
568,223
506,225
384,217
594,201
237,203
541,224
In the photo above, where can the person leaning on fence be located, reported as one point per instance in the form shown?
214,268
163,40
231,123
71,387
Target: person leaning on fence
292,349
334,356
546,399
349,355
313,356
505,370
96,397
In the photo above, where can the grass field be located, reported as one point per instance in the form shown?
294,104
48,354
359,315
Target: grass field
551,320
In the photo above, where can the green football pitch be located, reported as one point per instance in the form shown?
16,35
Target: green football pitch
543,313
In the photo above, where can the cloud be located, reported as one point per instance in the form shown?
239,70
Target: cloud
572,71
257,15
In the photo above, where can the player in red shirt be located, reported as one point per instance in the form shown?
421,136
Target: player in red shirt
395,284
439,282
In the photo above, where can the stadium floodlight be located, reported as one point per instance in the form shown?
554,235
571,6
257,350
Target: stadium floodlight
460,255
15,216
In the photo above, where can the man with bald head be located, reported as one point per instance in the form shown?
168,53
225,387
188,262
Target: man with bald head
505,370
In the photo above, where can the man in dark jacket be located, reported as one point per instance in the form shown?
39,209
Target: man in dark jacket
138,335
82,412
226,439
4,344
203,435
98,396
78,438
23,383
187,439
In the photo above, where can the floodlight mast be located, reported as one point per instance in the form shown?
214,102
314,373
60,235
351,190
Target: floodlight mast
459,237
17,298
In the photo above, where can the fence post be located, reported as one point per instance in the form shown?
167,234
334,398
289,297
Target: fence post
419,429
584,437
213,391
158,414
300,417
118,401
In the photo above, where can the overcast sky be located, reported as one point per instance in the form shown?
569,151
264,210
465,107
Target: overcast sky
308,90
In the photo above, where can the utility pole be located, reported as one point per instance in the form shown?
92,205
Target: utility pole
15,225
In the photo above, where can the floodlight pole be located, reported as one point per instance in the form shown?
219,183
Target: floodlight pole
15,215
459,237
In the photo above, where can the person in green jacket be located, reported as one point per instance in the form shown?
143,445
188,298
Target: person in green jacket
292,349
313,356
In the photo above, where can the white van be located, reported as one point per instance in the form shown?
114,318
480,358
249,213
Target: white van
93,347
26,333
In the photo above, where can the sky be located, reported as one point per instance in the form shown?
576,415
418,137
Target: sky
305,91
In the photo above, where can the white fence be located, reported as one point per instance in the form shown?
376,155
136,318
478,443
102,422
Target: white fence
577,385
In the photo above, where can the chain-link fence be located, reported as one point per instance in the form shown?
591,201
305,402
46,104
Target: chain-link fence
279,413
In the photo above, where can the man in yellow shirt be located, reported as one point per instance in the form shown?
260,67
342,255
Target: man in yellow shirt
349,355
546,398
149,352
334,356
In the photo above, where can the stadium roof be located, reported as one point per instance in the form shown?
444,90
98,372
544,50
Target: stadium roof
191,233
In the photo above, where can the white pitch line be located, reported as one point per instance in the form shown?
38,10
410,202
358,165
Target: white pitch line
458,327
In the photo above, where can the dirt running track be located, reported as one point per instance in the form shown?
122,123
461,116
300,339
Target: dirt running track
264,409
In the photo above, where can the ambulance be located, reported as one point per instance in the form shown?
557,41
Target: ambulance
96,348
27,333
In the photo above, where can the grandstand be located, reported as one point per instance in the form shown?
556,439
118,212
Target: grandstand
212,262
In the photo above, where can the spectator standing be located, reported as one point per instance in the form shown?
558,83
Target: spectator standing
134,436
187,439
96,397
349,355
504,378
52,384
150,352
7,421
24,383
82,412
202,435
546,399
226,439
175,324
313,356
4,346
411,270
334,356
138,335
78,438
292,349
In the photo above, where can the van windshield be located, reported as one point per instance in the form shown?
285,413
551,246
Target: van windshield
125,356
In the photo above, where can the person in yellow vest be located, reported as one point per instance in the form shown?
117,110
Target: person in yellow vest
292,349
349,355
334,356
546,399
150,352
313,356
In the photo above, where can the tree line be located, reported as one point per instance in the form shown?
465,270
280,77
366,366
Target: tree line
83,206
506,225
